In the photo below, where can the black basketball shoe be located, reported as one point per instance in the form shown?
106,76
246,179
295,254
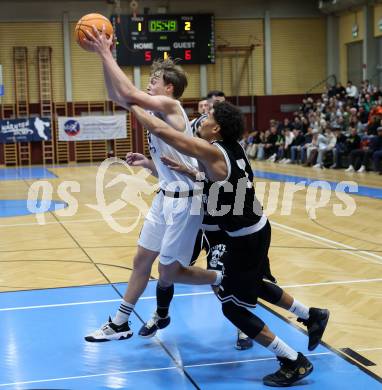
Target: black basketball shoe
290,371
110,331
150,328
243,342
316,324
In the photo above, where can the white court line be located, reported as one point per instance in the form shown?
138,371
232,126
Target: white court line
368,349
69,221
318,239
149,370
93,302
182,295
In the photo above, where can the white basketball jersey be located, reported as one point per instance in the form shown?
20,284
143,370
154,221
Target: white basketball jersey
159,148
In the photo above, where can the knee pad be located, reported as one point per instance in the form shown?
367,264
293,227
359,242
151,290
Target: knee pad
270,292
243,319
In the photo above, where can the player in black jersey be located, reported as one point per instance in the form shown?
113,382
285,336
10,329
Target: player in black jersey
232,203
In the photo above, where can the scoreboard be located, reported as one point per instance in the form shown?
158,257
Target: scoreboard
145,38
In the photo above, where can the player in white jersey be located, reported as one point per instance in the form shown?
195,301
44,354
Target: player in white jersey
171,225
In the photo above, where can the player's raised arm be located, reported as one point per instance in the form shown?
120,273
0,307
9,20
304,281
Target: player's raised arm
191,146
124,91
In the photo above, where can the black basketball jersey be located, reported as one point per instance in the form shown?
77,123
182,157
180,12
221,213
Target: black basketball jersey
232,204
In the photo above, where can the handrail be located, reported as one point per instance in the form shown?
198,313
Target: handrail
332,76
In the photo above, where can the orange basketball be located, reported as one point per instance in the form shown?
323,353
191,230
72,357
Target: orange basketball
86,23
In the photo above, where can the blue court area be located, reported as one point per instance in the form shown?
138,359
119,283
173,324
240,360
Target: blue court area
25,173
18,207
42,346
371,192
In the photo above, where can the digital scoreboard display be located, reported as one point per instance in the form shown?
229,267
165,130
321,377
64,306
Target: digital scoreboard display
143,39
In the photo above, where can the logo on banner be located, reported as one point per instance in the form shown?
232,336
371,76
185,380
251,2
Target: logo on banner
72,127
25,130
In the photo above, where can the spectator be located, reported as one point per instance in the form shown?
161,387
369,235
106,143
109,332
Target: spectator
295,148
368,146
253,140
311,149
344,146
326,143
260,148
288,140
351,91
285,125
377,154
270,147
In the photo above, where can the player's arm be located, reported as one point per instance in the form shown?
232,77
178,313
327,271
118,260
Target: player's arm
210,156
193,173
139,160
123,88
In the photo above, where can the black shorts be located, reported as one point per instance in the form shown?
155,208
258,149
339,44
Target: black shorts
246,263
215,245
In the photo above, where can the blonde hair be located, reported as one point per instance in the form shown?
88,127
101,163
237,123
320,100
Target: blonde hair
172,74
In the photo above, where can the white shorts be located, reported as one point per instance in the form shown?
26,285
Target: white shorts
171,229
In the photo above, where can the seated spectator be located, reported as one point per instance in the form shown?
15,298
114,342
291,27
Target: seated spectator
373,125
311,150
368,146
284,125
340,91
260,147
253,140
270,148
344,146
280,146
288,140
351,91
297,123
377,154
298,142
326,143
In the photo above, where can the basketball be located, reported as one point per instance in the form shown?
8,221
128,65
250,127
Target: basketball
86,23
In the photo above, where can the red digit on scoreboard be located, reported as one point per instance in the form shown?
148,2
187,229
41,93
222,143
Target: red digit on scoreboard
187,55
147,56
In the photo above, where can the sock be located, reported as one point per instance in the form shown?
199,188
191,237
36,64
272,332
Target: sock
280,349
299,310
123,313
219,278
164,298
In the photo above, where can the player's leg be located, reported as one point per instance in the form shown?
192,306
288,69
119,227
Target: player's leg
149,243
315,319
215,247
164,295
294,365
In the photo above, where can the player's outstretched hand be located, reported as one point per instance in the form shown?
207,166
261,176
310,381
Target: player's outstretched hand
173,164
136,160
98,41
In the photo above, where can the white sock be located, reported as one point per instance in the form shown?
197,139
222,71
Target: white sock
280,349
123,313
299,310
219,278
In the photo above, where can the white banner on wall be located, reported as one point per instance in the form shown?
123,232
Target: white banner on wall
88,128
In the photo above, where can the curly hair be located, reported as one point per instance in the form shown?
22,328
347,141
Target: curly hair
172,74
230,120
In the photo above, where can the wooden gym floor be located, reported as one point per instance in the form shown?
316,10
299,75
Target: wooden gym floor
331,261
